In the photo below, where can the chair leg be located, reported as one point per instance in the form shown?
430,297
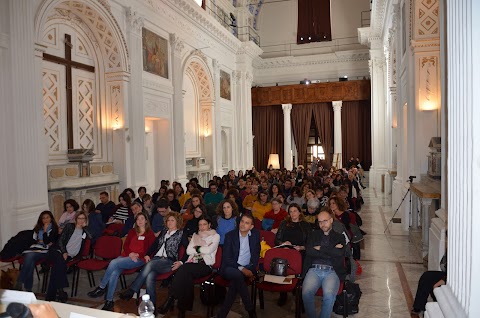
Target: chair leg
261,299
46,275
76,283
13,264
36,271
298,304
93,279
72,292
345,304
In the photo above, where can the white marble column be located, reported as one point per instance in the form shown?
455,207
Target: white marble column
377,66
287,136
248,101
26,145
459,298
178,122
337,131
136,120
241,119
217,120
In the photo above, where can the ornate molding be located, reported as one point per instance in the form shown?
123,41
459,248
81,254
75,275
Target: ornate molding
236,77
176,44
249,78
200,54
286,108
156,86
292,61
199,17
250,49
337,105
215,67
134,20
156,108
321,92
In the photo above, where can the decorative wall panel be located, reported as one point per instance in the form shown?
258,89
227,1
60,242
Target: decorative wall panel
313,93
51,109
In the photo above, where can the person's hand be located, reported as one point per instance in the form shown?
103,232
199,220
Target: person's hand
65,255
287,243
274,231
111,219
247,273
42,311
45,227
299,248
176,265
317,247
439,283
133,256
147,258
339,246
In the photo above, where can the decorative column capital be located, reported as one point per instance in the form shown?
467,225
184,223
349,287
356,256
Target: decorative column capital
249,78
337,105
236,76
216,66
134,21
176,43
287,108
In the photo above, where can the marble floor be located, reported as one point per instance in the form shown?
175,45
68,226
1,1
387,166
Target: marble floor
391,262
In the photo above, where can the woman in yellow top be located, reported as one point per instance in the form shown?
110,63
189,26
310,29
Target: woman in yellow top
261,206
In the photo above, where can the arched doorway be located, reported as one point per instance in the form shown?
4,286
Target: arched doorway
84,75
199,119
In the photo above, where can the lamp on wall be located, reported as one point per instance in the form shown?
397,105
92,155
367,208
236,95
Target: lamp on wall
274,161
428,105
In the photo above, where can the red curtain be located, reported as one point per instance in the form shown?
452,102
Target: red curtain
313,21
356,132
301,119
267,124
323,114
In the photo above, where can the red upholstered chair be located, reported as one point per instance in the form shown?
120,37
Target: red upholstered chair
114,229
85,253
10,260
106,249
257,224
268,236
294,268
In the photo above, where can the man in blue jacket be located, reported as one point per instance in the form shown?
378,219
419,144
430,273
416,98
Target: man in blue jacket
241,251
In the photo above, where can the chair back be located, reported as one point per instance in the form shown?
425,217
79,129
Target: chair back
269,237
218,259
86,248
293,256
108,247
257,224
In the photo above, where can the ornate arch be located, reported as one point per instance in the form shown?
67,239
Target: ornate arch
100,21
197,68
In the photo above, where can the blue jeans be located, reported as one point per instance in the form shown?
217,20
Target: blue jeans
26,273
328,280
114,270
149,275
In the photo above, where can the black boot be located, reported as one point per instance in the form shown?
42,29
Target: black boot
62,296
97,292
167,305
181,313
108,305
252,314
127,294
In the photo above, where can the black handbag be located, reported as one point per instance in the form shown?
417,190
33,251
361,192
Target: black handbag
353,294
279,266
212,294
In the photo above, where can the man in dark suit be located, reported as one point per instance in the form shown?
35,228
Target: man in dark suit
241,251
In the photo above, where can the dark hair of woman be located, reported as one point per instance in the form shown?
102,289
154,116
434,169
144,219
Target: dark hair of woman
89,204
73,203
232,204
206,218
130,191
288,219
39,224
125,198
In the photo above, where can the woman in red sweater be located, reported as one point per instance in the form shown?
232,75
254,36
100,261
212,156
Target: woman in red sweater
135,247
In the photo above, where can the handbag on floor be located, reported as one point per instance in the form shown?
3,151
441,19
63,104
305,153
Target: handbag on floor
212,294
353,299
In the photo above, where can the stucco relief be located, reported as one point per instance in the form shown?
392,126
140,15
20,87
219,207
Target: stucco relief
156,108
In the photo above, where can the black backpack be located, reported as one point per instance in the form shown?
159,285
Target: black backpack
353,299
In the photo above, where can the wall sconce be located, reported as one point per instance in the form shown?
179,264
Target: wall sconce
428,105
274,161
394,122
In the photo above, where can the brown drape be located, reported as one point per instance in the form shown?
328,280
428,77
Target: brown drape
313,21
267,124
356,132
323,114
301,120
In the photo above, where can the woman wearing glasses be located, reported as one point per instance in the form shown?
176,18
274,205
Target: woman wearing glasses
69,246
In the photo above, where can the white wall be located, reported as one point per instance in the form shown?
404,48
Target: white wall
277,27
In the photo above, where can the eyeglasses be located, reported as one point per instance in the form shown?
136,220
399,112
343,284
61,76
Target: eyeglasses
324,221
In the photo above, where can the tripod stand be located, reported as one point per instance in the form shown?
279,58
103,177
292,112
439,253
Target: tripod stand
410,179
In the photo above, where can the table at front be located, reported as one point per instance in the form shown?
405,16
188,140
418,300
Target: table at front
426,195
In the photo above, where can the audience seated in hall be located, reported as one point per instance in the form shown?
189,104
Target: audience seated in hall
261,206
70,207
105,207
